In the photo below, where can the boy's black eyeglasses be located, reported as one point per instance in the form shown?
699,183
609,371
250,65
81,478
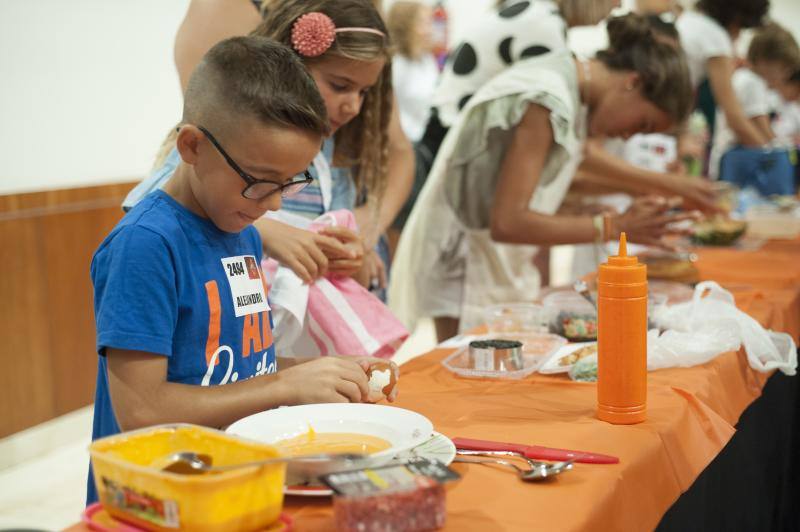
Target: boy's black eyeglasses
258,189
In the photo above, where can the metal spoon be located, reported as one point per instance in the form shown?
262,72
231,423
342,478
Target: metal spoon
528,475
550,467
190,463
581,287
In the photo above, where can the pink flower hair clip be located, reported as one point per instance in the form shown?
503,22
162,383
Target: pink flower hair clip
314,33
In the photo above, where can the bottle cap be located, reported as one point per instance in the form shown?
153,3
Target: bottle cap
622,269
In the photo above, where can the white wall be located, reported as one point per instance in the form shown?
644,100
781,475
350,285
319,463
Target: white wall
87,89
787,14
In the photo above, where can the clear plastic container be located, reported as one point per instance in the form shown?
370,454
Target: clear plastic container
539,347
571,316
133,488
516,318
574,318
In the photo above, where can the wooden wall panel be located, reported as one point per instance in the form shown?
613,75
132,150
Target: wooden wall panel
26,377
46,317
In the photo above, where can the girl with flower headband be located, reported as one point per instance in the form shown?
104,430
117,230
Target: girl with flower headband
345,46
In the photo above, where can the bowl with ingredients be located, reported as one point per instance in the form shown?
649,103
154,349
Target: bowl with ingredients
377,431
571,316
133,485
574,318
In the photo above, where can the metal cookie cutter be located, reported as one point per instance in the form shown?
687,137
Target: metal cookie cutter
496,355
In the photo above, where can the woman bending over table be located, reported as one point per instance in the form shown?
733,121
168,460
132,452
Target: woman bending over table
507,163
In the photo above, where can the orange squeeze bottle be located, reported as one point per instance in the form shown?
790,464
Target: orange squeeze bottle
622,339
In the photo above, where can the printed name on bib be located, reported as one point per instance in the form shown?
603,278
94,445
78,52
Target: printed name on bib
244,279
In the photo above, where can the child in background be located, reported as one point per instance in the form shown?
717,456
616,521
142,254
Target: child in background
414,68
505,167
415,73
787,122
180,302
771,57
707,36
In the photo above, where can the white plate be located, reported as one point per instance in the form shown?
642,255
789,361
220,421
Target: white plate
437,447
551,365
403,429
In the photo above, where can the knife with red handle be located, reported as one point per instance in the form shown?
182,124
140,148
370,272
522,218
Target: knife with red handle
536,452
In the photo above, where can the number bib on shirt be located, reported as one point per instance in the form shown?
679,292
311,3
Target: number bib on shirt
247,289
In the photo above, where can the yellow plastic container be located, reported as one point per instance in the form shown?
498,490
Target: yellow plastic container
132,487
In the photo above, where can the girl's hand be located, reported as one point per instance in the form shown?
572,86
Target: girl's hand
306,253
349,266
648,221
376,269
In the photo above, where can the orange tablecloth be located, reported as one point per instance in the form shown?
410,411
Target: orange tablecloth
774,265
692,413
691,417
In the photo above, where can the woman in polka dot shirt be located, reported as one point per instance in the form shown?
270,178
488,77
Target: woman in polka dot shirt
514,31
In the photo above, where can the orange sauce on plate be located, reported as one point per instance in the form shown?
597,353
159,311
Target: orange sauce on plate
313,442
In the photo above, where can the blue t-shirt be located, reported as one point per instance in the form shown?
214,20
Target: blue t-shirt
169,282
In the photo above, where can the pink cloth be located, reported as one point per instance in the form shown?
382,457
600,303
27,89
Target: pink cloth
341,316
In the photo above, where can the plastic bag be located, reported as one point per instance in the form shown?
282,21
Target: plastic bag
709,325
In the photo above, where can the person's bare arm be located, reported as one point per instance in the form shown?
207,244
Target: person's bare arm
513,222
720,71
511,219
607,169
142,396
206,23
399,181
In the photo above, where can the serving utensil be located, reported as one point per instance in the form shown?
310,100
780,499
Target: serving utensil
191,463
535,474
582,288
531,462
535,451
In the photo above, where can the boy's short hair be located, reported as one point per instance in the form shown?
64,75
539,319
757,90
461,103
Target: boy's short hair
773,43
744,13
253,77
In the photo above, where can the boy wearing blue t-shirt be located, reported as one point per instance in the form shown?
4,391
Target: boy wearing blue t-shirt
180,301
